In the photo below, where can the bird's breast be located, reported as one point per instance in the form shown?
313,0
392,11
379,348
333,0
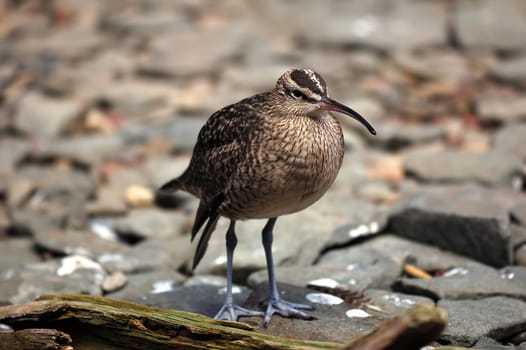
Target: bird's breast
296,164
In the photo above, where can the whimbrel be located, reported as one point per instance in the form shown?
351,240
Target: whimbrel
268,155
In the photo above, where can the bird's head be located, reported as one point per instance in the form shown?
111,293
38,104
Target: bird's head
305,93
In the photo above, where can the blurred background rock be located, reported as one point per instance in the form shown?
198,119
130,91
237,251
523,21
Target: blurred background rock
101,102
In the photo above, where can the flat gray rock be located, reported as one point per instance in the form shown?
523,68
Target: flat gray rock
73,274
512,69
510,140
141,284
460,219
502,109
42,116
70,242
477,29
15,252
151,222
426,257
492,168
149,255
467,281
494,317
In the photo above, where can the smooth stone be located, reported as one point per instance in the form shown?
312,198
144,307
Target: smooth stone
394,303
492,168
59,182
114,282
468,281
459,219
364,264
394,134
510,140
331,276
212,280
42,116
151,222
426,257
512,69
519,213
515,275
149,255
503,109
19,191
67,275
380,23
15,252
430,64
477,24
159,170
109,201
11,152
85,149
487,343
518,235
469,320
72,242
520,256
144,283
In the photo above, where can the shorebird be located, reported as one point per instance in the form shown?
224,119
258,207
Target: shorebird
268,155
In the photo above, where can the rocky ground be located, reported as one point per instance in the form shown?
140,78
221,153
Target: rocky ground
101,102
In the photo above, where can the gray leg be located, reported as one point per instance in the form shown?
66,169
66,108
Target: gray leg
275,304
229,310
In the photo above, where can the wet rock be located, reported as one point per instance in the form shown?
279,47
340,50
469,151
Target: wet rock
512,69
477,24
42,116
15,252
202,299
495,317
149,255
150,222
467,281
72,274
140,285
381,24
509,140
493,168
72,242
459,219
503,109
515,275
212,280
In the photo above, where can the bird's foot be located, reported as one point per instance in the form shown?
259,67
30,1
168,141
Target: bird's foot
232,312
286,309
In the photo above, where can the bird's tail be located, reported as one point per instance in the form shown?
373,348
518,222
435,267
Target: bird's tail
207,212
171,186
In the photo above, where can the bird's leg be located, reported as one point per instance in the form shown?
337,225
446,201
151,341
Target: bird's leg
274,303
229,310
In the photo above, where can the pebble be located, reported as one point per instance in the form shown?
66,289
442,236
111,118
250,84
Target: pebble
114,282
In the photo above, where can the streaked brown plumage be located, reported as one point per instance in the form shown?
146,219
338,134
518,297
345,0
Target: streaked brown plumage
268,155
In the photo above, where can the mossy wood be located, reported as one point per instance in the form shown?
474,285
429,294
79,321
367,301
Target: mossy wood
84,322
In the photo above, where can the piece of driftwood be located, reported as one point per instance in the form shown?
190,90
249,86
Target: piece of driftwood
412,330
35,338
98,322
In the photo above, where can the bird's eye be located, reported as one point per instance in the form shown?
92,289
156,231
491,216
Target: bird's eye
296,94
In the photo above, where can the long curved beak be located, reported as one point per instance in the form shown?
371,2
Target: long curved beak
332,105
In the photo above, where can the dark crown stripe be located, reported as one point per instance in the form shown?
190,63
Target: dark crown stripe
303,79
